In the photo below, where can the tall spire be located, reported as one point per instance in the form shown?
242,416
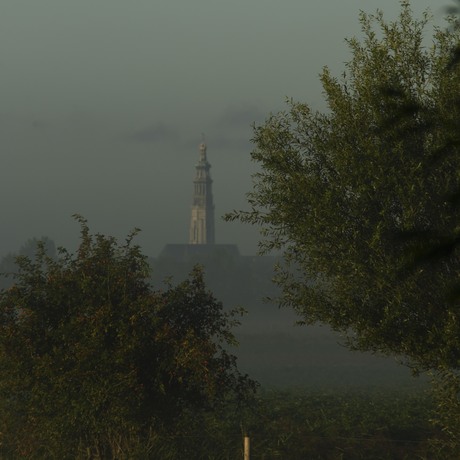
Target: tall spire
202,219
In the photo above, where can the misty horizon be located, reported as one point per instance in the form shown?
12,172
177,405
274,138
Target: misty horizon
104,104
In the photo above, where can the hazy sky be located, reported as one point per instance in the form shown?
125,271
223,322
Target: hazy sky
103,103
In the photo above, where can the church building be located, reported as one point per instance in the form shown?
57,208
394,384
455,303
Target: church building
201,242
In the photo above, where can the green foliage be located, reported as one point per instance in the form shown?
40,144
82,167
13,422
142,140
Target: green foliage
336,191
95,363
363,199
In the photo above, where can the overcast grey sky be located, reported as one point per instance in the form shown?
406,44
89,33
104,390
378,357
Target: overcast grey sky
103,103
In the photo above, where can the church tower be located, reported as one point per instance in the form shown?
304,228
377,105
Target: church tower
202,219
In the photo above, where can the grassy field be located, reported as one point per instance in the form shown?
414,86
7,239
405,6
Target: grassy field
311,424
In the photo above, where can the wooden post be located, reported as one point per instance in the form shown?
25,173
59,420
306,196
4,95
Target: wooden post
247,447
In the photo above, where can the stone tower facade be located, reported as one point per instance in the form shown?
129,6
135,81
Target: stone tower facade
202,219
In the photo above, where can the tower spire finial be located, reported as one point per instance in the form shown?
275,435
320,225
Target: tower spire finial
203,148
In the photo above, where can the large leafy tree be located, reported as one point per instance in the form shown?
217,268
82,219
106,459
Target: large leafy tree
93,360
354,194
363,200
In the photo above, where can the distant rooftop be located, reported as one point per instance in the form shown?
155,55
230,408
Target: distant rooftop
187,251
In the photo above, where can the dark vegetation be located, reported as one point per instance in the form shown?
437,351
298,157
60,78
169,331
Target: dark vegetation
97,364
343,424
74,367
336,190
73,389
362,199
